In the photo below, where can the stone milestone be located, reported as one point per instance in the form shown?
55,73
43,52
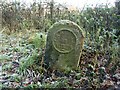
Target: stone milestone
64,45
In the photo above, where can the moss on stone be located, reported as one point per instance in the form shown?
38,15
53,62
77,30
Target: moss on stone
64,45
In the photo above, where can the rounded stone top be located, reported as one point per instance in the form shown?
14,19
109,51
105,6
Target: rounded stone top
66,24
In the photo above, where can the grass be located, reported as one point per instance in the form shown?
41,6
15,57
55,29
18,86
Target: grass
21,67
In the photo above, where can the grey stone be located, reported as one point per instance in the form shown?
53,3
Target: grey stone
64,45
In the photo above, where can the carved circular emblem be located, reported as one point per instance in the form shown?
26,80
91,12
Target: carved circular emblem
64,41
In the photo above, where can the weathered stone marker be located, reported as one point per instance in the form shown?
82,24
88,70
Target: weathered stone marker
64,45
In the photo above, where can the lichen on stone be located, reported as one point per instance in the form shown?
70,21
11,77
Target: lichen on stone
64,45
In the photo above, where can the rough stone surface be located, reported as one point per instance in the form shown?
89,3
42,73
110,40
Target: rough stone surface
64,45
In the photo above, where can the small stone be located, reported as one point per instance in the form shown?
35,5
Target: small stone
118,83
